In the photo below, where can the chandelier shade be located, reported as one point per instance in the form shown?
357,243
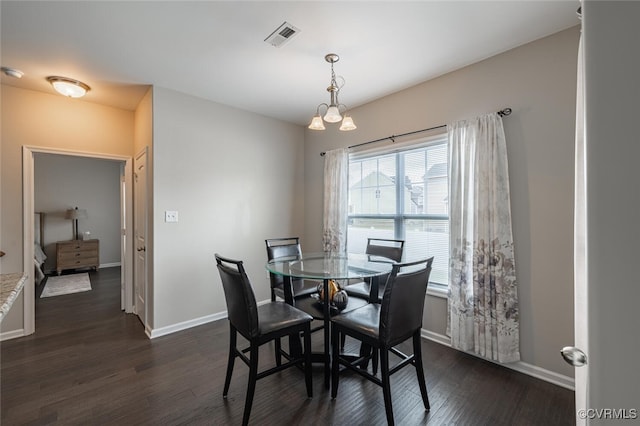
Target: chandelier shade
335,111
332,115
316,123
347,124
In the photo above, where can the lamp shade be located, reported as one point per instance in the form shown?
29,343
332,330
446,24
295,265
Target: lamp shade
76,213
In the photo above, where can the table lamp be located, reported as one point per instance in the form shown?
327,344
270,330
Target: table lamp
75,214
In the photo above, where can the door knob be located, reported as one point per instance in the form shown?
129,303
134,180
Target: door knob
574,356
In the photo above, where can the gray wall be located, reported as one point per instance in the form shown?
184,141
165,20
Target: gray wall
538,82
236,179
62,182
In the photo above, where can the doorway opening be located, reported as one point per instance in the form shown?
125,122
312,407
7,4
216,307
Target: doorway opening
125,190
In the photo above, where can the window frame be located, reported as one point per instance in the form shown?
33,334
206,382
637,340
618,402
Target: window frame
399,219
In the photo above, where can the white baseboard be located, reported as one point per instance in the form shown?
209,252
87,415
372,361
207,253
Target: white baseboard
520,366
174,328
13,334
163,331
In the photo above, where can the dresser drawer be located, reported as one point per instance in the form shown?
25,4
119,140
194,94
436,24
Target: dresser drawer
78,255
77,246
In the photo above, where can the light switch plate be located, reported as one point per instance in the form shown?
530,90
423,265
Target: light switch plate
170,216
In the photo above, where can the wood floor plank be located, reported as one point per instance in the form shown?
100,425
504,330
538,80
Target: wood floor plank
89,363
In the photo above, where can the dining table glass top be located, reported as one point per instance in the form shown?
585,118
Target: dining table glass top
330,266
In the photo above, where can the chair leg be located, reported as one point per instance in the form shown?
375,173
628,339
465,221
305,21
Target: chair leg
366,352
278,350
343,338
232,357
251,387
386,384
307,360
417,354
295,346
374,361
335,365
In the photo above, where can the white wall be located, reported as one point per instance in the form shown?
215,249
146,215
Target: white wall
538,82
612,67
63,182
236,179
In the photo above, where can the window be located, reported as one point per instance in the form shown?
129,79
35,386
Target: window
403,195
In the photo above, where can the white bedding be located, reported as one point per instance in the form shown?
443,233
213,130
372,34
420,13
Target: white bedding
38,255
38,259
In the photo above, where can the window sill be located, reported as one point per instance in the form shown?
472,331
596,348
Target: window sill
438,290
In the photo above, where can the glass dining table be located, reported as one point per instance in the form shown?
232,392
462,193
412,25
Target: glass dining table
328,266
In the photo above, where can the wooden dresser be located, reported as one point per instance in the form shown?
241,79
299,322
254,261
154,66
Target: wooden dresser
77,254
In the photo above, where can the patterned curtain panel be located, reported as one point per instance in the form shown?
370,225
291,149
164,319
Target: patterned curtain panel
483,297
336,175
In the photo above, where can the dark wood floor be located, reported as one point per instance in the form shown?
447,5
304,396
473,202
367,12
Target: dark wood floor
89,363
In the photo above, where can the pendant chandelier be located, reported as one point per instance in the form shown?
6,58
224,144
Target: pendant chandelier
335,111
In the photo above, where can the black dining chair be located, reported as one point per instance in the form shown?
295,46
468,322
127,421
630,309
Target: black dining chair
390,249
385,325
259,325
287,247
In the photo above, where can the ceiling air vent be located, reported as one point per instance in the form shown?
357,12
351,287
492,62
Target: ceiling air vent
282,35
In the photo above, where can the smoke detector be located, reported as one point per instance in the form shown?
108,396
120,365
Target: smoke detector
282,35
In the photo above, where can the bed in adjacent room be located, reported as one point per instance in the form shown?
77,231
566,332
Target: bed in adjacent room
38,248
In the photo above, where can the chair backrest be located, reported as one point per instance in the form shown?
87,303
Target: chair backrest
403,301
391,249
282,247
241,302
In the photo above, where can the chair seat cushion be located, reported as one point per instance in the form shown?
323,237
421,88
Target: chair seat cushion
278,315
364,320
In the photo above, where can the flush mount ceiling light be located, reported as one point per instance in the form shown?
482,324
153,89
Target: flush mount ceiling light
12,72
333,112
68,86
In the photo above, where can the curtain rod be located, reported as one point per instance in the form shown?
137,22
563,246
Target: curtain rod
502,113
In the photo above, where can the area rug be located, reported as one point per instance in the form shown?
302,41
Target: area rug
66,284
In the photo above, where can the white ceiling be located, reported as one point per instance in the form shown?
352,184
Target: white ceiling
216,50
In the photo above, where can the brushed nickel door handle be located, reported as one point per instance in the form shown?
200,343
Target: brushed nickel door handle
574,356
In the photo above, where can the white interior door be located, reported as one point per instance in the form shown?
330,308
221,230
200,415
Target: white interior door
140,235
580,271
123,239
607,231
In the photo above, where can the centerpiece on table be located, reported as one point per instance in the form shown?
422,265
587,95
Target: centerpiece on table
337,296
